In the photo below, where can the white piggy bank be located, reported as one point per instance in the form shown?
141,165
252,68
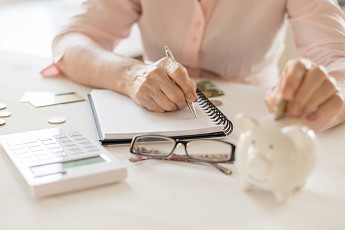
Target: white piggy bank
274,155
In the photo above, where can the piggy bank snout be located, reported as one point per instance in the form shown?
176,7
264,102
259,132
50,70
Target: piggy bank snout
258,165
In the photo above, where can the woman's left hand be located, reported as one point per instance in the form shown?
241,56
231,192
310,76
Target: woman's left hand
312,94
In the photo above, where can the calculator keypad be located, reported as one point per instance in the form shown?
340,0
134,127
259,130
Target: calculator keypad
56,147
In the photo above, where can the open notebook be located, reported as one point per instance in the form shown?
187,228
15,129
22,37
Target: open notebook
118,119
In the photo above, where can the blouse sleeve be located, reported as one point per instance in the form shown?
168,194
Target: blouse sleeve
104,21
319,31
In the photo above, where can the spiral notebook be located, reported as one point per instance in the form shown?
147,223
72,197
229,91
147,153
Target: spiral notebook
118,119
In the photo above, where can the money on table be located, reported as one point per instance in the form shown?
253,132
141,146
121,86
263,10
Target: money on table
41,99
209,89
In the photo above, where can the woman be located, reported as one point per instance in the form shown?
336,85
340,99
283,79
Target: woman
239,41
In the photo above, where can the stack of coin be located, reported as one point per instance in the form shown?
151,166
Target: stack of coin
280,110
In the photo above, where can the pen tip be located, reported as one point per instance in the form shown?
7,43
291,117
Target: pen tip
166,48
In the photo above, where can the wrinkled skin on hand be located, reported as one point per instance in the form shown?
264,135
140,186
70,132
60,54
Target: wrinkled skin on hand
163,86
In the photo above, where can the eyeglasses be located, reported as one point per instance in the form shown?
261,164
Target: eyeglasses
201,150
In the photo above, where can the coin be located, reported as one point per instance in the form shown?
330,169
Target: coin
5,114
216,102
56,120
280,109
2,122
3,106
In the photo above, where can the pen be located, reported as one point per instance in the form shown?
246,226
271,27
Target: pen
190,105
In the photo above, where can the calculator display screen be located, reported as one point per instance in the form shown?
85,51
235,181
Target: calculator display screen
87,161
58,167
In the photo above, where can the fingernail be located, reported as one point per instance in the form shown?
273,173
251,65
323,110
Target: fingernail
311,116
190,97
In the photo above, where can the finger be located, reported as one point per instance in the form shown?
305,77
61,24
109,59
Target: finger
328,109
325,91
311,82
151,105
163,101
175,95
271,98
179,74
293,76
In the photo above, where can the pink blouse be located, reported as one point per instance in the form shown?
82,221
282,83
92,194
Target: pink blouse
239,40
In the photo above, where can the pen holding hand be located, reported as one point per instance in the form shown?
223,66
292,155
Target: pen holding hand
161,86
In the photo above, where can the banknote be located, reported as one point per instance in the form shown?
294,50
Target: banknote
209,89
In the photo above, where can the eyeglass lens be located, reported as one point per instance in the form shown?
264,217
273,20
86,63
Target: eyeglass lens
210,150
153,146
206,150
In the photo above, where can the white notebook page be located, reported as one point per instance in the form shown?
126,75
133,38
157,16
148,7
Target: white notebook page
121,118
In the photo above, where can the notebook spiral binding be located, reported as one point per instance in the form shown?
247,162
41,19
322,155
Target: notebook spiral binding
214,113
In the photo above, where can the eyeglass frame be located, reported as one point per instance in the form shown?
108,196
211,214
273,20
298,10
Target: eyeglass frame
183,142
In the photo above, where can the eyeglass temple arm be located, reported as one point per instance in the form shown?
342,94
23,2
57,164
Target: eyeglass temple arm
221,168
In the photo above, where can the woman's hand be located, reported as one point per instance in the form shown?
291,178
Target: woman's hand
312,94
162,86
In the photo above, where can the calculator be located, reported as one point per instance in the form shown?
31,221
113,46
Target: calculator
59,160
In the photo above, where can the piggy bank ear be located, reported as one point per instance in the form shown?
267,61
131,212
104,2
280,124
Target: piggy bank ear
245,123
300,135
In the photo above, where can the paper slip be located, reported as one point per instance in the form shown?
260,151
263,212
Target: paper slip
41,99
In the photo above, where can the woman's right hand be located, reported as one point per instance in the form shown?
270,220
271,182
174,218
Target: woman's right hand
162,86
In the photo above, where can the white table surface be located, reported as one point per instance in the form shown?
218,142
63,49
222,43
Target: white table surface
156,194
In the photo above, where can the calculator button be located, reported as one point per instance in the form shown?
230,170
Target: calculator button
30,140
74,146
45,138
59,136
65,140
24,155
36,148
16,147
78,137
12,143
43,152
33,144
48,142
74,134
62,139
68,143
88,145
92,149
28,159
76,151
53,146
56,150
82,141
20,151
